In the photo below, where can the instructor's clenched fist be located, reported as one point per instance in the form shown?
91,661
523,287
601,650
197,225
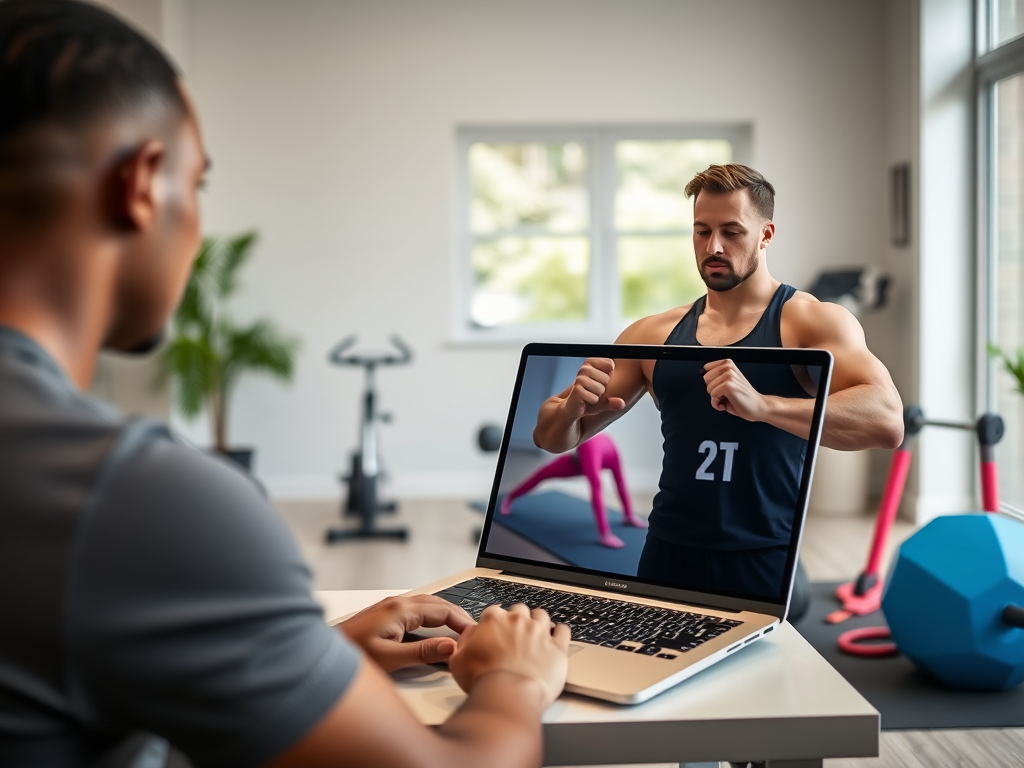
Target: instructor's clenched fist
588,392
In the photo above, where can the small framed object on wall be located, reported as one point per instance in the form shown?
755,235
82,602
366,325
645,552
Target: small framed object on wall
899,203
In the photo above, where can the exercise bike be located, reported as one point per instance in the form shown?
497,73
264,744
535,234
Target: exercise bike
364,478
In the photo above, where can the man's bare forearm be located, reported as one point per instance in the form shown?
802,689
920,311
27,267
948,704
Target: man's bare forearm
555,432
856,419
498,725
862,417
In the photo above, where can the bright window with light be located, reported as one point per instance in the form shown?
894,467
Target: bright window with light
1007,20
1000,74
1006,270
573,233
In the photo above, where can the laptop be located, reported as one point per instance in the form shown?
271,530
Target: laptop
701,567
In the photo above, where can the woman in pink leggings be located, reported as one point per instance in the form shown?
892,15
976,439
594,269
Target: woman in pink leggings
589,458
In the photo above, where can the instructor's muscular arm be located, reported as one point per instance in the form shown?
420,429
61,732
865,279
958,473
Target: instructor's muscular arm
604,389
731,392
864,409
511,665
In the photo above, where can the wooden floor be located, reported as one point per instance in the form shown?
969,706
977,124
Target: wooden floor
442,541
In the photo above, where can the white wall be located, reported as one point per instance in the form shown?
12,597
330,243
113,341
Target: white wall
332,129
893,331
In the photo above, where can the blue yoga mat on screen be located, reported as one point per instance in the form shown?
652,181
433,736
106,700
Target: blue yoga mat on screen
564,526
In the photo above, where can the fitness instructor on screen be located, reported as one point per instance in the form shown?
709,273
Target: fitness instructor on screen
740,547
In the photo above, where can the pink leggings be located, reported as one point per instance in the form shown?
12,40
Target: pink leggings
597,453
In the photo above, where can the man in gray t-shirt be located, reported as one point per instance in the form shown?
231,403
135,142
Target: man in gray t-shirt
149,594
143,583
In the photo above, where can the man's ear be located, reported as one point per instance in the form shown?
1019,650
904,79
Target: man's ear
133,193
767,233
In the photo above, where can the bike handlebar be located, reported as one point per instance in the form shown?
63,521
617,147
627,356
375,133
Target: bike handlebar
338,356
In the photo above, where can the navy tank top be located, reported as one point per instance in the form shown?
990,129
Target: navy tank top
726,483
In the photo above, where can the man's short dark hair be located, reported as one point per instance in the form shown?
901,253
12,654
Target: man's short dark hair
69,64
718,179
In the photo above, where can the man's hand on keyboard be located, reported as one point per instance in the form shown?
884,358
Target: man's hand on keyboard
517,642
379,630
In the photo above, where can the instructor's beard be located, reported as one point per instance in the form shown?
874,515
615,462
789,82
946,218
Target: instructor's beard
730,279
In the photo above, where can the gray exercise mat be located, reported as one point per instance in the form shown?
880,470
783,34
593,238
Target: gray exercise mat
906,698
564,525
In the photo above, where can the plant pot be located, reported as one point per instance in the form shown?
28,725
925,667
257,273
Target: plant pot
243,457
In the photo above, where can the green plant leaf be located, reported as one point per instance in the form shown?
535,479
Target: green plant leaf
1012,363
232,255
207,351
259,348
196,307
195,368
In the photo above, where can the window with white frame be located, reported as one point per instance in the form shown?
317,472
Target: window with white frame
572,233
1000,77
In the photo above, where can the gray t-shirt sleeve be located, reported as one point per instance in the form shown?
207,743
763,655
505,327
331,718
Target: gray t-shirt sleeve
189,612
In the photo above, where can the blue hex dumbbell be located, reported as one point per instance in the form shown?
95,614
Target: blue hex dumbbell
955,600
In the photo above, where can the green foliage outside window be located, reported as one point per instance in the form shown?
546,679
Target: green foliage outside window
1013,364
530,228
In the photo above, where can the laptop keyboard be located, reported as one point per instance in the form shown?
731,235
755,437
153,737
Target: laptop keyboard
633,627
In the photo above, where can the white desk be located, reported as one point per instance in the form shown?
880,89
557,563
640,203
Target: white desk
777,701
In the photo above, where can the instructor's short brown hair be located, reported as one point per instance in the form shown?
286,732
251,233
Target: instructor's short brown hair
718,179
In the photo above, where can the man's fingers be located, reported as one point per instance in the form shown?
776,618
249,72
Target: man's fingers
519,608
562,635
607,404
721,373
391,656
431,611
716,375
720,396
594,375
467,633
491,611
589,389
436,649
720,370
590,383
716,364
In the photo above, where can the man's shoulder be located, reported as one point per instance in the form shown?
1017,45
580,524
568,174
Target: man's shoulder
808,322
49,429
653,329
35,390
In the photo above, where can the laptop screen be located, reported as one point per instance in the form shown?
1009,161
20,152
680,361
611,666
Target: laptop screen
677,488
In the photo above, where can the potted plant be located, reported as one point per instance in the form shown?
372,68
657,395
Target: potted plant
1014,365
207,350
